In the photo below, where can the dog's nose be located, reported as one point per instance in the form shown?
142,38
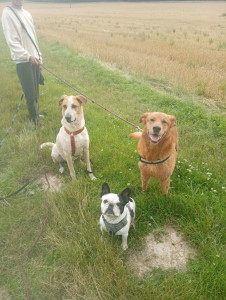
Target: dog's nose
156,129
109,210
68,118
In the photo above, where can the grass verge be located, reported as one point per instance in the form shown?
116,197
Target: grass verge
70,261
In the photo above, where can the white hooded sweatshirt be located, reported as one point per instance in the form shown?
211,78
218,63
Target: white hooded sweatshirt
19,43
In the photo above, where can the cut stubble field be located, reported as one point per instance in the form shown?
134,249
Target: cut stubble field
180,47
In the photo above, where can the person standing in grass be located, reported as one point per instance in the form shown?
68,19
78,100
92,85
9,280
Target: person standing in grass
19,31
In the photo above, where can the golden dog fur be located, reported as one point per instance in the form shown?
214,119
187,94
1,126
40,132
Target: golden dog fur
157,141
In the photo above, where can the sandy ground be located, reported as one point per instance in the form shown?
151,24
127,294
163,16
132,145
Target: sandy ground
166,251
54,185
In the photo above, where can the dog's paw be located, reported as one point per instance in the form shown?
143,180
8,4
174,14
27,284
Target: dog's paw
92,177
61,170
124,247
73,177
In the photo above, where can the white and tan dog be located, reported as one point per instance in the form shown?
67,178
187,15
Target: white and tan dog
72,140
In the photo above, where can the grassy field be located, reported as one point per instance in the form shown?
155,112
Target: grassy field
70,261
178,47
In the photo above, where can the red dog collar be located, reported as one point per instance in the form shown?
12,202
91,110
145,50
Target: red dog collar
72,134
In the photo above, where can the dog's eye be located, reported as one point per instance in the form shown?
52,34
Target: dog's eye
152,120
65,106
73,106
105,201
164,122
118,204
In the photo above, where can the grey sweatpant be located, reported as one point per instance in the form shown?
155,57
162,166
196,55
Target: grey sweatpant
29,78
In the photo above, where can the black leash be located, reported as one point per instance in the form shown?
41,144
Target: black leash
20,189
121,118
25,255
43,226
94,102
86,171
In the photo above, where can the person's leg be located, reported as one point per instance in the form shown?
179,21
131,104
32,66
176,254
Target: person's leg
36,72
28,75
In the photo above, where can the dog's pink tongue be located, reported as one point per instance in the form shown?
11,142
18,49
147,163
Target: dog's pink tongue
155,138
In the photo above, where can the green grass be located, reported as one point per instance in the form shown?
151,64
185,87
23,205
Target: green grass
70,261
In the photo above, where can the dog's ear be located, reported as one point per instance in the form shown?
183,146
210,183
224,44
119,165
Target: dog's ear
62,99
143,118
105,189
82,99
173,121
126,195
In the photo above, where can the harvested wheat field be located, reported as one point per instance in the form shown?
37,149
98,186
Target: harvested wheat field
180,46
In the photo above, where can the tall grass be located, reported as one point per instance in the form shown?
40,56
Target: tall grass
70,261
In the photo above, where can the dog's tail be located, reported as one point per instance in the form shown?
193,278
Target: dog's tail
135,135
47,145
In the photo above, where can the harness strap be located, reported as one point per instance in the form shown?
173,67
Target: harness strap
72,134
153,162
114,228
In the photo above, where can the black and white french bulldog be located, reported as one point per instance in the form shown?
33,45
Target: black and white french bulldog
118,213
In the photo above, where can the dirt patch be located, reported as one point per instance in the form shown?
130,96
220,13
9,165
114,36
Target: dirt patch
4,294
55,183
166,250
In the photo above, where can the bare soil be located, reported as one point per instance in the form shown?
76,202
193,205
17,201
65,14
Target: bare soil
54,185
169,250
4,294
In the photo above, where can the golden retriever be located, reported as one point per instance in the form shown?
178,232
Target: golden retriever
157,147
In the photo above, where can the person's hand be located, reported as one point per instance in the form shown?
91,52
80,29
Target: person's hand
34,60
